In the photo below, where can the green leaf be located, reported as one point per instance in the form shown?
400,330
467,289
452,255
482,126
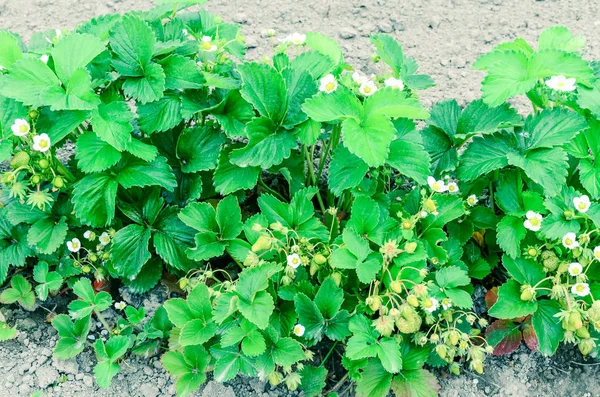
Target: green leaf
324,45
47,281
508,75
198,149
338,105
415,383
509,304
547,326
73,336
188,367
94,199
11,52
452,277
547,167
133,42
553,127
525,271
485,154
171,239
287,352
300,86
48,235
560,38
148,276
390,52
394,103
89,301
369,139
111,122
149,87
257,310
589,175
410,159
309,316
479,118
511,232
161,115
346,170
264,88
229,178
135,172
19,291
389,353
95,155
233,114
461,298
73,52
313,380
229,218
107,355
374,382
267,145
182,73
130,250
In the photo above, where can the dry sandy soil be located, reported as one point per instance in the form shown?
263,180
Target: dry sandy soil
445,36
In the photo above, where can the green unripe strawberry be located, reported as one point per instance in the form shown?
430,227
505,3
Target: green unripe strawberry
453,337
93,258
86,269
320,259
583,333
441,351
58,182
586,346
527,293
410,247
396,286
36,179
33,114
455,368
263,243
44,164
412,300
21,159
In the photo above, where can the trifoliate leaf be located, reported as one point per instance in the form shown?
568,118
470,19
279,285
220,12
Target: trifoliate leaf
233,114
485,154
73,336
149,87
547,167
409,159
525,271
111,122
452,277
369,139
553,127
161,115
19,291
300,86
508,76
198,148
188,366
48,235
47,281
107,354
313,380
264,88
560,38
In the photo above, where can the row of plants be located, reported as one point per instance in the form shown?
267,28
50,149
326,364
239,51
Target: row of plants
302,213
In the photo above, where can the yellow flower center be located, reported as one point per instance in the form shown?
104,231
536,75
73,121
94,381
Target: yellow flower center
561,84
568,241
437,186
451,188
43,144
581,206
206,45
471,200
428,304
580,288
330,86
23,128
534,222
367,89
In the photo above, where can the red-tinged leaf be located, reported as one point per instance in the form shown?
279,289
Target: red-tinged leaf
491,297
103,285
530,338
504,335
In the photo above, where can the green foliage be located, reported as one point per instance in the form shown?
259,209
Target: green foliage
295,207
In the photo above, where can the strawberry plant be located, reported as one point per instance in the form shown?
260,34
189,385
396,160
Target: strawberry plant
308,214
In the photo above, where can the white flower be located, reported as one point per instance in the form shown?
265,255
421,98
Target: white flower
430,305
367,88
41,143
359,78
20,127
1,68
424,214
435,185
58,33
472,200
561,83
299,330
582,204
597,253
394,83
294,260
328,84
120,305
446,304
90,235
207,44
575,269
44,58
74,245
104,239
452,187
580,289
271,32
570,241
534,221
296,38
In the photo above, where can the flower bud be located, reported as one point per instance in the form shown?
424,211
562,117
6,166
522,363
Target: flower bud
454,368
44,164
569,214
35,179
407,225
292,381
453,337
527,293
308,355
286,280
58,182
583,333
429,205
33,114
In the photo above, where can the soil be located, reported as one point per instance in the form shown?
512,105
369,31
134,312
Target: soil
445,37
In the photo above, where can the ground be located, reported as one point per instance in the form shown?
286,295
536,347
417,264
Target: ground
445,36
